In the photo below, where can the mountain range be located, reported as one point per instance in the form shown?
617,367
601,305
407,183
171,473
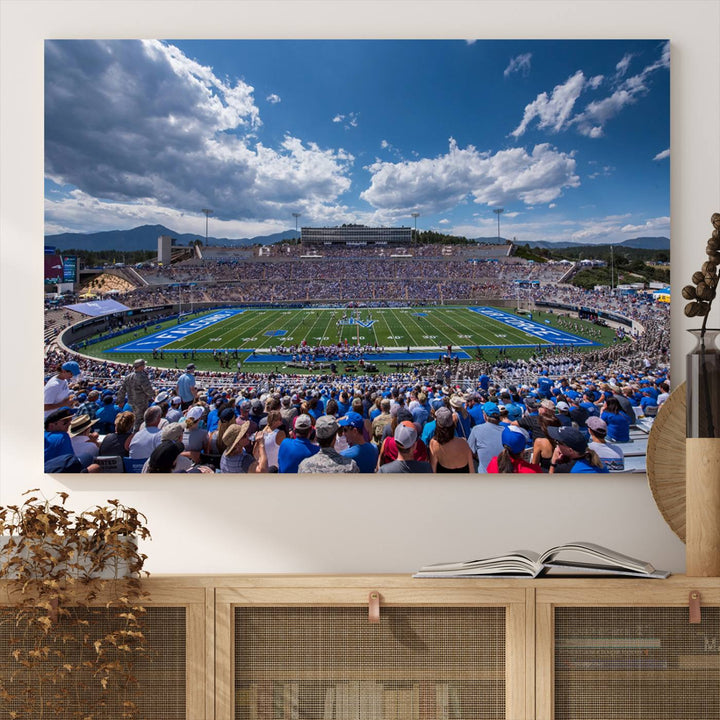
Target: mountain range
145,237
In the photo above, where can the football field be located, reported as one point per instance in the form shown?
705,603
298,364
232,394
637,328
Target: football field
257,333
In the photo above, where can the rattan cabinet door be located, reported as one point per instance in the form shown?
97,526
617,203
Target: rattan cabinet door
629,658
328,662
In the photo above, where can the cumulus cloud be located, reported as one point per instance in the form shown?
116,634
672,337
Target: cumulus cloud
138,122
273,99
520,63
662,155
431,185
553,111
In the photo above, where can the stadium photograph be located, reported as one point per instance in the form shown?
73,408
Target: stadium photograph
355,256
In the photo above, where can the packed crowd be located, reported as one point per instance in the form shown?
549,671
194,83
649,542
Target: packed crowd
190,422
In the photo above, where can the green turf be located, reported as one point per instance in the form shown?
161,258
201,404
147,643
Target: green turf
394,327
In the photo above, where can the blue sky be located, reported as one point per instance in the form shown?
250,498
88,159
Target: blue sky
570,138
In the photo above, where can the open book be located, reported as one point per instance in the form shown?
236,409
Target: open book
575,558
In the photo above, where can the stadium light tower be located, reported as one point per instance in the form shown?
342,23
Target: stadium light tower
296,215
208,213
415,216
498,212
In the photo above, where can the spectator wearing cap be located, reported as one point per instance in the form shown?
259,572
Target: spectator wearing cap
463,420
88,404
293,450
137,389
588,403
57,391
118,442
485,439
195,437
406,439
84,441
388,449
563,413
327,460
364,453
572,453
174,412
530,420
510,459
106,414
475,408
185,387
288,411
449,453
618,423
148,438
57,439
611,455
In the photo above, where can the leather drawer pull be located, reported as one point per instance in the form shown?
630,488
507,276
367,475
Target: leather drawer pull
694,603
374,607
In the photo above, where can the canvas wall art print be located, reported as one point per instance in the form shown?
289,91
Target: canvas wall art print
355,256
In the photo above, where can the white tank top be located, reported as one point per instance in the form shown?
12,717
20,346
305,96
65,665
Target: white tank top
272,448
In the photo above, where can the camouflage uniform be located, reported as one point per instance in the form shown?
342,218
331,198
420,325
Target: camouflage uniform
328,460
137,389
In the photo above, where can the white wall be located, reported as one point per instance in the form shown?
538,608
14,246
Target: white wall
286,524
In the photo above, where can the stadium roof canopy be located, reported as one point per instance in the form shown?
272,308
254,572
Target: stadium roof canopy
98,307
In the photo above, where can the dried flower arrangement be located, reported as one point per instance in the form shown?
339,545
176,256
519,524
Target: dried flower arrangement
70,610
702,293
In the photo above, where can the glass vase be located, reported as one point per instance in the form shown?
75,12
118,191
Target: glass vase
703,386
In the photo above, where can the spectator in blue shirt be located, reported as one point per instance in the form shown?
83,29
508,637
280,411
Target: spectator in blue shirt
365,454
293,450
618,423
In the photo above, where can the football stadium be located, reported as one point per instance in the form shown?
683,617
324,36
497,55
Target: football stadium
306,326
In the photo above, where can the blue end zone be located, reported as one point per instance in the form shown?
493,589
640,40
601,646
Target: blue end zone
550,335
159,340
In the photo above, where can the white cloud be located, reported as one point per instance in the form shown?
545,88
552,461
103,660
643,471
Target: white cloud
384,144
520,63
432,185
349,120
137,123
592,120
552,112
622,66
444,221
662,155
552,205
273,99
653,225
555,112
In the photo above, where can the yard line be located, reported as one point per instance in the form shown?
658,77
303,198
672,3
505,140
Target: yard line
475,332
270,317
332,314
426,341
